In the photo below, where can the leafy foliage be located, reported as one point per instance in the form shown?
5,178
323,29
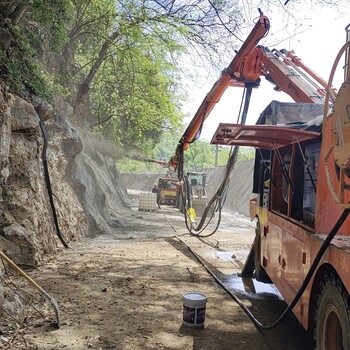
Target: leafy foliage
119,62
26,31
139,102
200,155
136,64
49,18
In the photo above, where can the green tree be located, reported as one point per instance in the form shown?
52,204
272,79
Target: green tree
119,61
28,30
130,51
139,101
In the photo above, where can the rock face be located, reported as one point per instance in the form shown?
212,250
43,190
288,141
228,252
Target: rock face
88,192
240,186
27,231
101,187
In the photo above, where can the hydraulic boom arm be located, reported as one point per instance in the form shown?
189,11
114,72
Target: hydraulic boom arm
260,29
282,68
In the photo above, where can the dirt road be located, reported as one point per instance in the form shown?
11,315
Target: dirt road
125,291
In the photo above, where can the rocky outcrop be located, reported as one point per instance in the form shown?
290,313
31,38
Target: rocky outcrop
102,189
27,231
240,186
88,194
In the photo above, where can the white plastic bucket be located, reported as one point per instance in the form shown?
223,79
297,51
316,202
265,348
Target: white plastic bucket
194,304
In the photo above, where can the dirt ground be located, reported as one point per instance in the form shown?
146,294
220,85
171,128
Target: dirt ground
124,291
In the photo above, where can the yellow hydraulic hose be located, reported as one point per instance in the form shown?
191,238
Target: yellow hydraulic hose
33,283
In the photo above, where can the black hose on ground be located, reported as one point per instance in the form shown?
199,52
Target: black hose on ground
47,177
301,290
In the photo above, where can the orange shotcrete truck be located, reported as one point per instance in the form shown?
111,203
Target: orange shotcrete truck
301,181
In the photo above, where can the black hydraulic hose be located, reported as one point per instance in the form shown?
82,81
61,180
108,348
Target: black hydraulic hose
301,290
283,168
47,177
188,198
217,199
307,168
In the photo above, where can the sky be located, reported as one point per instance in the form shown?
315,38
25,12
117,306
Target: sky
324,35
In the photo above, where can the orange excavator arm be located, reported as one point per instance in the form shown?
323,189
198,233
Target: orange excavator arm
287,72
260,29
295,81
282,68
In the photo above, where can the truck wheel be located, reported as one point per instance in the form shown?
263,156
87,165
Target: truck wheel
332,316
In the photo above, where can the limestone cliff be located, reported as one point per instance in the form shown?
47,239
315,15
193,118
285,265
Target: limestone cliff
27,231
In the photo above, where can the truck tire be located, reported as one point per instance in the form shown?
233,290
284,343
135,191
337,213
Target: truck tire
332,316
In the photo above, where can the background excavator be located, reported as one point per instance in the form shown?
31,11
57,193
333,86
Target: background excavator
171,189
301,182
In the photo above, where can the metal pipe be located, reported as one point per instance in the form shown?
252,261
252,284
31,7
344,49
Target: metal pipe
34,284
347,55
